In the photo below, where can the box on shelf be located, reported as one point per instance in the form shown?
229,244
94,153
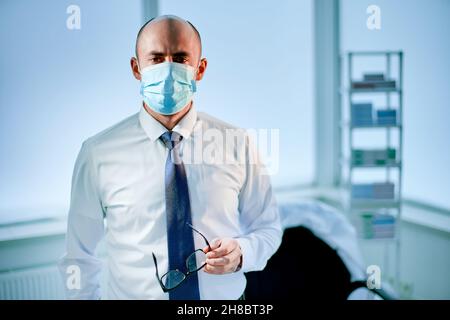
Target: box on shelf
362,114
387,117
375,76
373,191
376,225
373,157
374,81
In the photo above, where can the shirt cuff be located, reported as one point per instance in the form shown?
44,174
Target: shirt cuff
247,254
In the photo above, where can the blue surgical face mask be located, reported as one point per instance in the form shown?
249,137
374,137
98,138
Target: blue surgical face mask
167,87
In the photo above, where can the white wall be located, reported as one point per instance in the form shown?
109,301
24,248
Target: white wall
57,87
260,72
419,28
424,261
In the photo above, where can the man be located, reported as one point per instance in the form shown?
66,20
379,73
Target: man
158,204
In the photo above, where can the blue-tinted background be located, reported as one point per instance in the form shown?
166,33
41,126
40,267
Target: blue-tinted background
420,29
59,86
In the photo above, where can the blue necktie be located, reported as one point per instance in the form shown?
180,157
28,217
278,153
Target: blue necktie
180,239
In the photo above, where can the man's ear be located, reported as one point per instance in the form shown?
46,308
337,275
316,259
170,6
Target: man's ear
201,69
135,68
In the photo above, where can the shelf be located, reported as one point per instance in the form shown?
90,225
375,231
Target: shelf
374,53
390,165
397,164
358,204
376,90
369,126
368,90
375,126
388,83
392,240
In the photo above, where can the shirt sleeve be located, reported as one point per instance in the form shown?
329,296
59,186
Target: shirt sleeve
259,216
79,267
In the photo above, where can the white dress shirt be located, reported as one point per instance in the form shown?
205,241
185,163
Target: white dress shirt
118,192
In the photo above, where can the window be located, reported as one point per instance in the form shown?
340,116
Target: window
417,28
58,87
260,72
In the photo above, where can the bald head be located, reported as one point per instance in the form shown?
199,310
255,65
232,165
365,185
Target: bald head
168,39
169,29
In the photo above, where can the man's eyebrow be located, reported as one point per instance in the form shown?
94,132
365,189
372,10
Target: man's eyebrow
181,53
176,54
155,53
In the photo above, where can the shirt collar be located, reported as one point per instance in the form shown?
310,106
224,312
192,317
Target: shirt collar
154,129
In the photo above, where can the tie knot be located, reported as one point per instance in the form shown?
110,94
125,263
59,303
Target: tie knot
171,139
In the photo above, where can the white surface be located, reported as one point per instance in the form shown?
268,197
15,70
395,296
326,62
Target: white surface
427,218
35,229
77,83
260,72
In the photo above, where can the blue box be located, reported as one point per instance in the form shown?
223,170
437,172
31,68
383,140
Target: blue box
387,117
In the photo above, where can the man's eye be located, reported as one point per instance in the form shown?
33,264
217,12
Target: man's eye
180,59
156,59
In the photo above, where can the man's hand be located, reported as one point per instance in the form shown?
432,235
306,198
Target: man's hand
225,256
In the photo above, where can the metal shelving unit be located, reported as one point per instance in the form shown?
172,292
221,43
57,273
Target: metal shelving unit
392,170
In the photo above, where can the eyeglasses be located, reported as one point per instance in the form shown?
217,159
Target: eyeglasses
173,278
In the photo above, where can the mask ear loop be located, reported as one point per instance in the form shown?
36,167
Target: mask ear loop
194,81
199,64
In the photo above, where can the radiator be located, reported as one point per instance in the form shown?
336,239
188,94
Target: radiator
31,284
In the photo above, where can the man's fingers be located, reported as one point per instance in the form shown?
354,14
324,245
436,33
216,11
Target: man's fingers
220,251
224,260
215,269
215,244
218,261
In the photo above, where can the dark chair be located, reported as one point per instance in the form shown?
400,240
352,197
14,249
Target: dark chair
304,267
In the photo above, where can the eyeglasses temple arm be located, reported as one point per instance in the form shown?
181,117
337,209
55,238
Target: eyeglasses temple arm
157,273
206,240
